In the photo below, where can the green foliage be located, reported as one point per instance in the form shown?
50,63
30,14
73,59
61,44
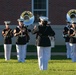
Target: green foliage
32,48
59,48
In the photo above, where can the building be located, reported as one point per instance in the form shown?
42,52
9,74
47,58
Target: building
54,9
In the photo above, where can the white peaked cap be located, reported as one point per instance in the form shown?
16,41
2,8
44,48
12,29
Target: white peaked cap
7,22
43,18
20,20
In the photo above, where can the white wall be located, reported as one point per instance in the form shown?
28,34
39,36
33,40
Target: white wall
59,40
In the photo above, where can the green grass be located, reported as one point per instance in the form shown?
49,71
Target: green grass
32,48
59,65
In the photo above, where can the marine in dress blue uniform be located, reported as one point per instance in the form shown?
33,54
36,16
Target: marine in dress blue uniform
7,34
21,33
43,42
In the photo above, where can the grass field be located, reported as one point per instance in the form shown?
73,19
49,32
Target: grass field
59,65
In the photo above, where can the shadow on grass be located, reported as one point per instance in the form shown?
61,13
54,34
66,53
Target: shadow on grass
34,59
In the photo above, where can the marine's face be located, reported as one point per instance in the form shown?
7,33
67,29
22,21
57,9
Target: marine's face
7,26
41,22
20,24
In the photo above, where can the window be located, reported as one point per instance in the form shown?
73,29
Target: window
39,8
